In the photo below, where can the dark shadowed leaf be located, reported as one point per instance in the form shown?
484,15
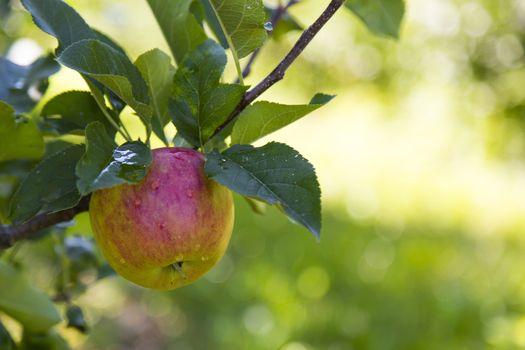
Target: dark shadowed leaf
263,118
179,26
200,103
6,341
105,165
157,70
5,9
71,111
20,300
111,68
60,20
380,16
50,340
49,187
19,137
75,318
274,173
23,86
242,20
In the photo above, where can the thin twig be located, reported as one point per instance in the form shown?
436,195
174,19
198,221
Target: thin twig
10,234
278,73
280,11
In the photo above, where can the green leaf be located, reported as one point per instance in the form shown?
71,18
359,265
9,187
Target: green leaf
274,173
23,86
200,103
60,20
179,26
49,187
50,340
71,111
157,70
20,300
242,21
105,165
6,341
19,137
380,16
111,68
263,118
65,24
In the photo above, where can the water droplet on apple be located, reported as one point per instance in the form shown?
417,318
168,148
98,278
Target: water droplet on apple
204,258
189,194
197,247
155,185
122,261
137,202
162,226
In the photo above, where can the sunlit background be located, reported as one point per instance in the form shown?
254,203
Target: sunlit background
421,159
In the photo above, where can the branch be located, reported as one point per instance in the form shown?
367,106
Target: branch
280,11
278,73
10,234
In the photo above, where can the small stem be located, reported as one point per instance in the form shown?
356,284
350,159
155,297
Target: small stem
178,267
64,265
230,44
99,99
127,132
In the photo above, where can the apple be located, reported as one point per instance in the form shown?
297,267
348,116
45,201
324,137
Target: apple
168,230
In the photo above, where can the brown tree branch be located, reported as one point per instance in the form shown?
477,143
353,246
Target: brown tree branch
278,73
10,234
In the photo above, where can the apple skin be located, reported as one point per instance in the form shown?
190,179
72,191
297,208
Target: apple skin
176,215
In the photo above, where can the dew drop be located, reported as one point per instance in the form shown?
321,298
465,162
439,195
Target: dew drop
137,202
155,185
268,26
189,194
162,226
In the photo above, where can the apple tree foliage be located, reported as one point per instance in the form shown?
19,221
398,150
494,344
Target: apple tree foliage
45,174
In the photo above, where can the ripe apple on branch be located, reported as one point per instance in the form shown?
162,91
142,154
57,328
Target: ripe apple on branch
164,217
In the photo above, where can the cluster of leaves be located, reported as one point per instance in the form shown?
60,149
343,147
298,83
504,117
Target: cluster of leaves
189,92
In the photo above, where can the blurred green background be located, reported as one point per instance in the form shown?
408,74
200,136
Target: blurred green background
421,159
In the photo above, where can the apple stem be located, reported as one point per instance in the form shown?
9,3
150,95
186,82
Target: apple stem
178,267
